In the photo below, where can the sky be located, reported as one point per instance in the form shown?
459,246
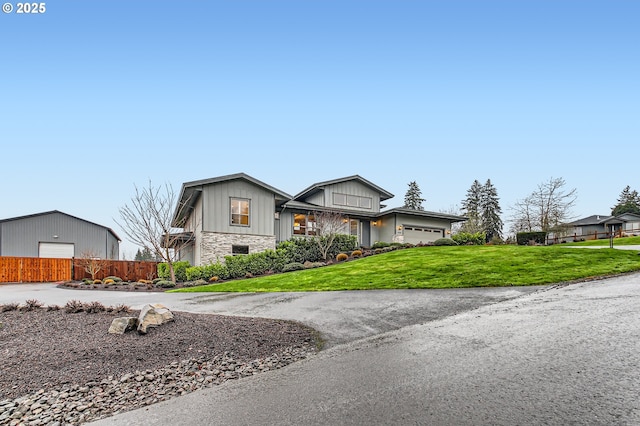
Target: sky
99,97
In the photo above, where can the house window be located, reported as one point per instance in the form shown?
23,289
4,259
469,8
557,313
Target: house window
304,224
238,249
240,211
352,201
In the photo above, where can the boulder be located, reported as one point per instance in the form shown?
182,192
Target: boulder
123,324
153,316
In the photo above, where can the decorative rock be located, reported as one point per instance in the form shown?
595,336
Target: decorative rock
123,324
153,316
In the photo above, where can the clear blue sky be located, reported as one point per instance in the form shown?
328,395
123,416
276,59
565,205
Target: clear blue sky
97,96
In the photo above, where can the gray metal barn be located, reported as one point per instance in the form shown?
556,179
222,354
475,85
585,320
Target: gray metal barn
55,234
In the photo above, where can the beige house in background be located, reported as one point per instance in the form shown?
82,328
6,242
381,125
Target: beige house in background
238,214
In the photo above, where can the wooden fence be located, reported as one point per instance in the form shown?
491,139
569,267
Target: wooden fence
34,270
128,270
42,270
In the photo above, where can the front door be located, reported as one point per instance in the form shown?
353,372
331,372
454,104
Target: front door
354,224
365,235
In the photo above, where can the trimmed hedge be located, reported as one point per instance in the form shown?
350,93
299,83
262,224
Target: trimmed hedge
294,251
444,242
523,238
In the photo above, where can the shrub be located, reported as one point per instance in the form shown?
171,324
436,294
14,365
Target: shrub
165,284
7,307
379,245
141,281
311,265
444,242
293,266
179,268
341,257
94,307
114,278
87,281
467,238
53,308
97,281
356,253
214,279
108,281
32,305
73,307
121,308
524,238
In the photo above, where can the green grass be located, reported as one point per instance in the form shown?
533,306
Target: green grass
445,267
626,241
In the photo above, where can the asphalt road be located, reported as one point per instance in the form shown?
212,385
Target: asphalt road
340,316
562,355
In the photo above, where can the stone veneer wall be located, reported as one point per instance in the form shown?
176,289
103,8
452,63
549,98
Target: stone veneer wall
215,246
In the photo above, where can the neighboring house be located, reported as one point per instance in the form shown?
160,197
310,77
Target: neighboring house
601,226
55,234
238,214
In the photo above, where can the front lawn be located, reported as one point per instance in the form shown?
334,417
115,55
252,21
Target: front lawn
445,267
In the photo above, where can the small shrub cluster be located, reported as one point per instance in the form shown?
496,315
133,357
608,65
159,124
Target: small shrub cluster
165,284
444,242
8,307
76,306
32,305
293,266
342,257
470,239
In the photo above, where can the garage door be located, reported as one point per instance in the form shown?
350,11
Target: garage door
56,250
415,235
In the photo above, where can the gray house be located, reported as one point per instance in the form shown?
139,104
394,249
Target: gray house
238,214
55,234
600,226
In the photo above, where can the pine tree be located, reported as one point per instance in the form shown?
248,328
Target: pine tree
628,202
490,211
471,209
413,198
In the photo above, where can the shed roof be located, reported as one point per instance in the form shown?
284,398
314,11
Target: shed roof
29,216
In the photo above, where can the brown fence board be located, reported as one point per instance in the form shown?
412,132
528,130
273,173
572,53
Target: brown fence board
128,270
34,270
42,270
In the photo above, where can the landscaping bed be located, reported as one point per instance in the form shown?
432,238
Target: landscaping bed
67,365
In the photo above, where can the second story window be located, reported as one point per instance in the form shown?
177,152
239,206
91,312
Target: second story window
240,211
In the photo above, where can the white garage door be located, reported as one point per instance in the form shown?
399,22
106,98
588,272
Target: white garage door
56,250
415,235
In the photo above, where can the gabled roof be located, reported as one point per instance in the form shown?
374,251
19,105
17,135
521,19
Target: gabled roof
424,213
384,195
29,216
190,192
596,219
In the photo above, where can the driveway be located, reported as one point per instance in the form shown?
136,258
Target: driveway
565,355
339,316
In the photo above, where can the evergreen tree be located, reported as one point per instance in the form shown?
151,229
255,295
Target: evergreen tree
145,255
413,198
490,211
628,202
471,209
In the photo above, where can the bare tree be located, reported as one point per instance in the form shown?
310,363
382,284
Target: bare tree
546,208
148,222
328,224
90,261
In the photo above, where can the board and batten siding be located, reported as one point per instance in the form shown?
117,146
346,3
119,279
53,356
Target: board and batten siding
352,188
217,207
22,237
